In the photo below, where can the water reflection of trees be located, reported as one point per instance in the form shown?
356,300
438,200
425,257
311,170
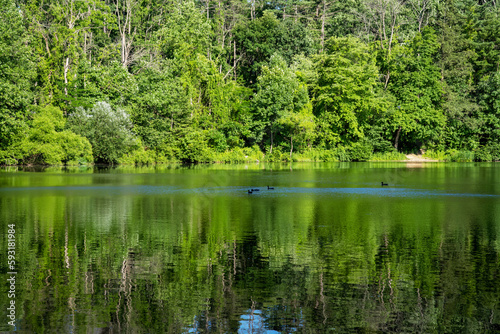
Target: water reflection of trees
210,265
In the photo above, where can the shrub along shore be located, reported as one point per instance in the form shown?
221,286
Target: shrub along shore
144,158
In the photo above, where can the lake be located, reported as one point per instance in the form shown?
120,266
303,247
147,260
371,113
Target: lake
188,250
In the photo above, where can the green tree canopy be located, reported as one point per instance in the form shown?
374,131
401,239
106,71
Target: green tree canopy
16,74
108,129
259,39
279,92
47,141
416,84
345,97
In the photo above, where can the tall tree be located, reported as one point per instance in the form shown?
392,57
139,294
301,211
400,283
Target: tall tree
416,84
16,74
278,92
345,91
423,11
258,40
62,33
160,109
456,61
386,18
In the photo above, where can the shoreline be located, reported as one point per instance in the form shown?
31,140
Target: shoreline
408,161
410,158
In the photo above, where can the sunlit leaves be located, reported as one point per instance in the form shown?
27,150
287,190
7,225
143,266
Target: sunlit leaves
184,32
48,142
344,92
279,92
16,73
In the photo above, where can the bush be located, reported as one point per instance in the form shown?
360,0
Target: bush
437,155
139,156
194,148
167,154
494,150
278,155
308,156
238,154
388,156
359,151
217,141
460,156
333,155
78,150
490,152
108,130
47,143
8,157
451,155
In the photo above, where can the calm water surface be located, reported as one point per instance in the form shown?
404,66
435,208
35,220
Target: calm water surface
188,250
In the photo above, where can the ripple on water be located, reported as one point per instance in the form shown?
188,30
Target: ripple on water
239,191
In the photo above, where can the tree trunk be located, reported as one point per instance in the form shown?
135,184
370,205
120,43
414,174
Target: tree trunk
271,151
124,22
124,50
291,147
323,19
397,138
66,69
388,75
234,59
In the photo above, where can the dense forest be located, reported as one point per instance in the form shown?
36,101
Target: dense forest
151,81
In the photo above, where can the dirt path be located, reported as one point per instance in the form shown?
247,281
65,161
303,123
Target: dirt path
418,158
